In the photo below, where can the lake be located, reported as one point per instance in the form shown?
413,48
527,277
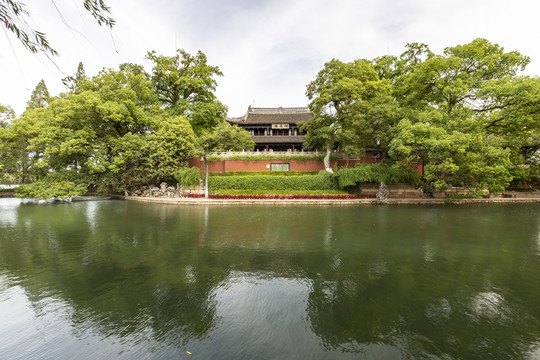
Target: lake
126,280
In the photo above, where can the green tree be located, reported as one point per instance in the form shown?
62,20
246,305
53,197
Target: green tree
225,137
73,83
112,133
185,84
6,117
464,113
7,114
171,146
20,161
352,108
40,96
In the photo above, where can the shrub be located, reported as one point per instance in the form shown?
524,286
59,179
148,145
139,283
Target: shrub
188,176
44,189
322,181
281,192
375,173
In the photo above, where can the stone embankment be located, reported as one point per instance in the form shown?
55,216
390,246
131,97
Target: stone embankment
165,191
382,194
392,201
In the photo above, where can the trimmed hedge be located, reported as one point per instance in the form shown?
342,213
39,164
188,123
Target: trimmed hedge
279,192
268,173
282,197
321,181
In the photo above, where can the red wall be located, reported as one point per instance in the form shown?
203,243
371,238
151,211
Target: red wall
264,165
256,165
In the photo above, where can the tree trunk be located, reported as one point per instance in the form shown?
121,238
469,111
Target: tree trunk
206,178
327,156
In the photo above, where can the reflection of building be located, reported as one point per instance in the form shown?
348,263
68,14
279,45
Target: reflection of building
274,129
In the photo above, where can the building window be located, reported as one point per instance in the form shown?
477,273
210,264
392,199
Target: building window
279,167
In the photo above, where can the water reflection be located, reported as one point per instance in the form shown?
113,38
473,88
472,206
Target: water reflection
92,209
128,279
8,213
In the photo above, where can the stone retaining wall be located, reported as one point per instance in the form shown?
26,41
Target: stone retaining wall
417,201
165,191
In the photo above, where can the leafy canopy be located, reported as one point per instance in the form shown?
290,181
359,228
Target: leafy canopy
15,18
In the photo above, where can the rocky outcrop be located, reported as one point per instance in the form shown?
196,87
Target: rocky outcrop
165,191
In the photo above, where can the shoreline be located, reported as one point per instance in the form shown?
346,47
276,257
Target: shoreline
318,202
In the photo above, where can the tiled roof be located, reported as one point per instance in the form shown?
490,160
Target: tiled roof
273,116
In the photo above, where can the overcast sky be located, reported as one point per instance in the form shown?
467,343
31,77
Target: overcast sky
268,50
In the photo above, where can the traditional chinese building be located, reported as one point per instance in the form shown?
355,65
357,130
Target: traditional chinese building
277,130
274,129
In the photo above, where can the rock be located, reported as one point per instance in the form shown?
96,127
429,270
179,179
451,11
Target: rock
382,194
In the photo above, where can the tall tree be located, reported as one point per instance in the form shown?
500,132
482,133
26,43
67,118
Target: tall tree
113,133
19,159
351,107
464,112
185,84
7,115
40,96
74,83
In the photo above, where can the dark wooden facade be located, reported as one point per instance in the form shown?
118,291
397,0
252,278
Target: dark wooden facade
276,129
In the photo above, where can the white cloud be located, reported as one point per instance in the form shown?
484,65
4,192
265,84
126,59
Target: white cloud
268,50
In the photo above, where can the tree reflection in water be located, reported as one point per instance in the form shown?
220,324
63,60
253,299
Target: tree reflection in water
412,282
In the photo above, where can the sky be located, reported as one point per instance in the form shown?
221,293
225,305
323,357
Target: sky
268,50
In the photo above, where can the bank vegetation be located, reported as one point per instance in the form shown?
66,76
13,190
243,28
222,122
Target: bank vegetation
467,117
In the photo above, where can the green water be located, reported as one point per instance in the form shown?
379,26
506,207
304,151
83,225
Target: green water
123,280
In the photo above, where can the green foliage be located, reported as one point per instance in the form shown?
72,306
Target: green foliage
323,181
7,115
13,16
375,173
464,113
454,198
352,108
73,83
40,96
188,176
110,132
223,138
185,84
170,146
18,158
267,173
279,192
47,189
